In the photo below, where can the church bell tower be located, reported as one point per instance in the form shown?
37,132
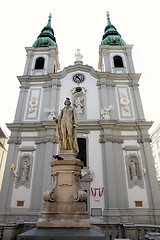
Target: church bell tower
128,168
30,131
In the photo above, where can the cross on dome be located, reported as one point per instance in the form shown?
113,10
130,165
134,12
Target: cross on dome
50,16
107,12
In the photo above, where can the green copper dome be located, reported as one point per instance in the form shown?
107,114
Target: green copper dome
46,37
111,36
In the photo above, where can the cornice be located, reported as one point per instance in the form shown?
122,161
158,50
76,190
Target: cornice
40,140
125,125
125,77
41,49
96,74
14,140
115,47
144,139
32,126
83,125
105,138
37,78
55,78
74,68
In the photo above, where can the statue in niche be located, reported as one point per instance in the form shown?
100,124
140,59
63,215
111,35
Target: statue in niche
78,104
78,55
133,170
105,112
79,93
66,128
25,170
135,173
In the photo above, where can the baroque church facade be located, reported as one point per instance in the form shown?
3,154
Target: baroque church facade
114,145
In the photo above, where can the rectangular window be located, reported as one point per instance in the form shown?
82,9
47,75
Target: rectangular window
138,204
20,203
82,150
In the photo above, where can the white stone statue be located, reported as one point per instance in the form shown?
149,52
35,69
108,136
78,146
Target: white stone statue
15,174
66,128
25,170
105,112
143,172
51,113
79,104
78,55
133,171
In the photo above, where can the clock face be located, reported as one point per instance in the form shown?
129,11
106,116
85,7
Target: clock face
78,78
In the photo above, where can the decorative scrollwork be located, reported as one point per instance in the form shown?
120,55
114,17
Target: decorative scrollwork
49,195
81,195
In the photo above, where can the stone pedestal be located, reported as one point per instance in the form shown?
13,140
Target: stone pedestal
92,233
65,201
153,236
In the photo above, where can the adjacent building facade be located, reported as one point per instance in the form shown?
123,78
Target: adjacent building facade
3,153
155,144
119,174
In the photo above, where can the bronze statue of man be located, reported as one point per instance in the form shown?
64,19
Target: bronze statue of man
66,128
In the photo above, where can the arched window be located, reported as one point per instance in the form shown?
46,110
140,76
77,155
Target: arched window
39,63
118,62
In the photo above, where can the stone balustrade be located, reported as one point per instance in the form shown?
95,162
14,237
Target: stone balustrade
10,231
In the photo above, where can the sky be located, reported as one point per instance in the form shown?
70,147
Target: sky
80,24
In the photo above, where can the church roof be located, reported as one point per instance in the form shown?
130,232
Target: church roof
2,134
111,36
46,37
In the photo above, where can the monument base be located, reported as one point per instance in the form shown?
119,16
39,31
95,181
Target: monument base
64,214
65,201
63,223
93,233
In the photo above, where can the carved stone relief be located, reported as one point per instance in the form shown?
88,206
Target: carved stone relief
33,104
124,102
105,112
79,104
79,94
